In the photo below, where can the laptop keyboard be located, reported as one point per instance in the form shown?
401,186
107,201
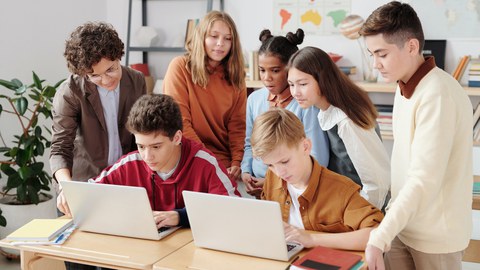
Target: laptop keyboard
162,229
290,247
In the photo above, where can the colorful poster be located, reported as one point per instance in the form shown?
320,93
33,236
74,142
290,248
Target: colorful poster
315,17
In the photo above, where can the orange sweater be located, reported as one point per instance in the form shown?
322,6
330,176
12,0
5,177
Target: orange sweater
214,116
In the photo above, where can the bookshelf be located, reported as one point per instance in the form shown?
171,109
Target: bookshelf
146,50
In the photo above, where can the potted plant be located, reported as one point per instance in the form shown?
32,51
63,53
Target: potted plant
27,181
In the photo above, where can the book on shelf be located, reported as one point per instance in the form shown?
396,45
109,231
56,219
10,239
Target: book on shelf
384,108
474,73
348,70
320,258
476,188
42,230
460,69
476,115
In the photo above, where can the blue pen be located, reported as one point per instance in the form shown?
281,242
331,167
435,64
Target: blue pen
59,238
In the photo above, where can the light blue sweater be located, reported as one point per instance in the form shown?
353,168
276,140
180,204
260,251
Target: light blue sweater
257,103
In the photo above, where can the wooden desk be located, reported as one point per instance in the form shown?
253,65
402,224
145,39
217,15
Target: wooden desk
191,257
105,250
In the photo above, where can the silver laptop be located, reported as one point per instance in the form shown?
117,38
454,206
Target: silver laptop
112,209
239,225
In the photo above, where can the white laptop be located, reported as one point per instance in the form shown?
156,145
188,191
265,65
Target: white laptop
112,209
239,225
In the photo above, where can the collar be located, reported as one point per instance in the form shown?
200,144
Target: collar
104,92
281,100
407,89
330,117
313,182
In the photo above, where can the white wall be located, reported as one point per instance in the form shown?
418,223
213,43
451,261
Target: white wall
251,16
32,37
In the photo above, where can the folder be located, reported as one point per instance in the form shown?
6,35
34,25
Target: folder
40,230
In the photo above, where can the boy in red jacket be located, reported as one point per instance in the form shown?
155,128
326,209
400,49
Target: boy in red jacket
166,163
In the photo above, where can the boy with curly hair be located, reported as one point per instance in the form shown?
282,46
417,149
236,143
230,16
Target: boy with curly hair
90,108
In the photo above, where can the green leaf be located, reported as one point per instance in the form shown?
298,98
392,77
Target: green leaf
1,109
21,193
4,149
37,168
38,132
49,91
21,104
37,81
7,84
34,97
58,83
3,220
40,149
17,82
14,181
22,157
25,172
21,90
7,169
33,195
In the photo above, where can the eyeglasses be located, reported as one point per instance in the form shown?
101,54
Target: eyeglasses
111,72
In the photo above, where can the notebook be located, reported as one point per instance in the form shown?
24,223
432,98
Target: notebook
42,230
238,225
112,209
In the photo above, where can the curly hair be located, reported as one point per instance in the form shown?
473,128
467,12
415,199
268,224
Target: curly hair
89,43
155,114
279,46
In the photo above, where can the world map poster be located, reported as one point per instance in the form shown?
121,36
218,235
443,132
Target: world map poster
315,17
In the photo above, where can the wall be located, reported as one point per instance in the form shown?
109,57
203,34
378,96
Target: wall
33,34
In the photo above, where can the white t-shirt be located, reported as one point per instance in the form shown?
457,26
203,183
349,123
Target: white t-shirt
295,218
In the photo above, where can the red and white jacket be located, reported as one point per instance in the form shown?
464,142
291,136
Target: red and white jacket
197,170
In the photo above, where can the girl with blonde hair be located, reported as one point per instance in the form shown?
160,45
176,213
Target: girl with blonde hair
208,83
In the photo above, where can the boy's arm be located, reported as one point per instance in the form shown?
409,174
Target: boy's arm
354,240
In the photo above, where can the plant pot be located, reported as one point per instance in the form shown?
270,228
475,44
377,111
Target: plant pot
17,215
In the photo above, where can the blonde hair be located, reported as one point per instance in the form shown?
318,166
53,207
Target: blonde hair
275,127
197,59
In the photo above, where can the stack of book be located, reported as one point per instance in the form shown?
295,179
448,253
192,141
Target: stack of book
476,188
474,73
384,119
42,232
